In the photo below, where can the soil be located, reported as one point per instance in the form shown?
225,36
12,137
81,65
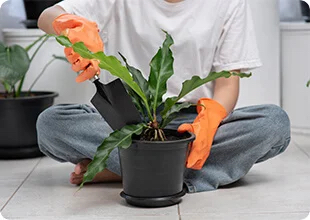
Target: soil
23,94
171,135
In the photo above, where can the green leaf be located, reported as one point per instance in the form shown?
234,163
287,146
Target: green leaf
114,66
308,83
64,41
14,63
172,113
109,63
138,77
136,100
195,82
161,71
120,138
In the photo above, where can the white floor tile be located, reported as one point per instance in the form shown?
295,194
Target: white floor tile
292,161
254,194
170,217
258,216
303,142
48,193
16,169
7,188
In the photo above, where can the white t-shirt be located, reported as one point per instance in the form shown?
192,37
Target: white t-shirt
209,35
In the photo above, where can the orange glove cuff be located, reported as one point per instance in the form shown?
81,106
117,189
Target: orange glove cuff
211,105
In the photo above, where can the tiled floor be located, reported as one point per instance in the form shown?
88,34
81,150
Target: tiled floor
276,189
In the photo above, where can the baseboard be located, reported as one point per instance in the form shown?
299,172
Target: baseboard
300,131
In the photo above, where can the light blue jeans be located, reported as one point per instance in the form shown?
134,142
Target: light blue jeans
71,133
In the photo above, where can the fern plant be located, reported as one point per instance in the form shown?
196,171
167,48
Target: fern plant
147,95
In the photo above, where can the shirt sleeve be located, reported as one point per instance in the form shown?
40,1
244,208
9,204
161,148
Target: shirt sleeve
237,48
94,10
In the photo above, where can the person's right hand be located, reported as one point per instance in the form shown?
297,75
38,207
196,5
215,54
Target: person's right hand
79,29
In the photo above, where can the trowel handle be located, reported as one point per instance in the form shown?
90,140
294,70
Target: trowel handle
96,77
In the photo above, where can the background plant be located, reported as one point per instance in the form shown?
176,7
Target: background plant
15,62
147,96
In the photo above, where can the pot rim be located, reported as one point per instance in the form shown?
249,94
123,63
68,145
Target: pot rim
45,94
189,139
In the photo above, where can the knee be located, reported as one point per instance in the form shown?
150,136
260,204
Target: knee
44,125
276,125
46,119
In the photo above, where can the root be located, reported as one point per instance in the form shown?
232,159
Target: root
153,133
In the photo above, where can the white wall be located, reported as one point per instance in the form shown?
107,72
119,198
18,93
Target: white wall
264,86
12,13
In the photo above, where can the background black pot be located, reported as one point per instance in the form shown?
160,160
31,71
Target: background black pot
33,10
18,116
153,172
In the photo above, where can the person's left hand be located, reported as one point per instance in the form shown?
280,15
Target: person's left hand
210,115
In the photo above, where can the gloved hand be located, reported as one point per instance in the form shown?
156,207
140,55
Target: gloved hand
210,115
79,29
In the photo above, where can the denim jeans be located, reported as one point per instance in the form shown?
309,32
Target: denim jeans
249,135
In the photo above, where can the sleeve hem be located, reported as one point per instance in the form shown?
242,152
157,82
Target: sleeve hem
244,66
65,7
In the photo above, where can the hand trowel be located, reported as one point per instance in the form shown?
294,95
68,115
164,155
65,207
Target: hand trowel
114,104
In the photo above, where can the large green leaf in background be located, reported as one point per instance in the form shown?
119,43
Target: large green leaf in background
119,138
161,71
195,82
14,63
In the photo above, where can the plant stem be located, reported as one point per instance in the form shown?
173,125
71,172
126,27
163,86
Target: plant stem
7,87
35,42
46,36
148,109
41,73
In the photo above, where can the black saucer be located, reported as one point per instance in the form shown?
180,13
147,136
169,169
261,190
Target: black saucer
154,202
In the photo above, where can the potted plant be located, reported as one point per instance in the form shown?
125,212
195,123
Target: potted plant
19,109
152,158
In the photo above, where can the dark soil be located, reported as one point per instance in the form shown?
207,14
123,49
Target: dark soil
23,94
171,135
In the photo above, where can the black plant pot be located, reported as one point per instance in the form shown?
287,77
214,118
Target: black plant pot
153,172
18,116
33,10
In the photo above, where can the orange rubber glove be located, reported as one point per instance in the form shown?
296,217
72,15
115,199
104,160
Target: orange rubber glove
79,29
210,115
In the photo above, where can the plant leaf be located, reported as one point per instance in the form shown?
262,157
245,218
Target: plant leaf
161,71
136,100
138,77
109,63
195,82
120,138
14,63
308,83
172,114
64,41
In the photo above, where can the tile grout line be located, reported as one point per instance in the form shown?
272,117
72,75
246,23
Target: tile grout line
179,212
20,185
300,148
